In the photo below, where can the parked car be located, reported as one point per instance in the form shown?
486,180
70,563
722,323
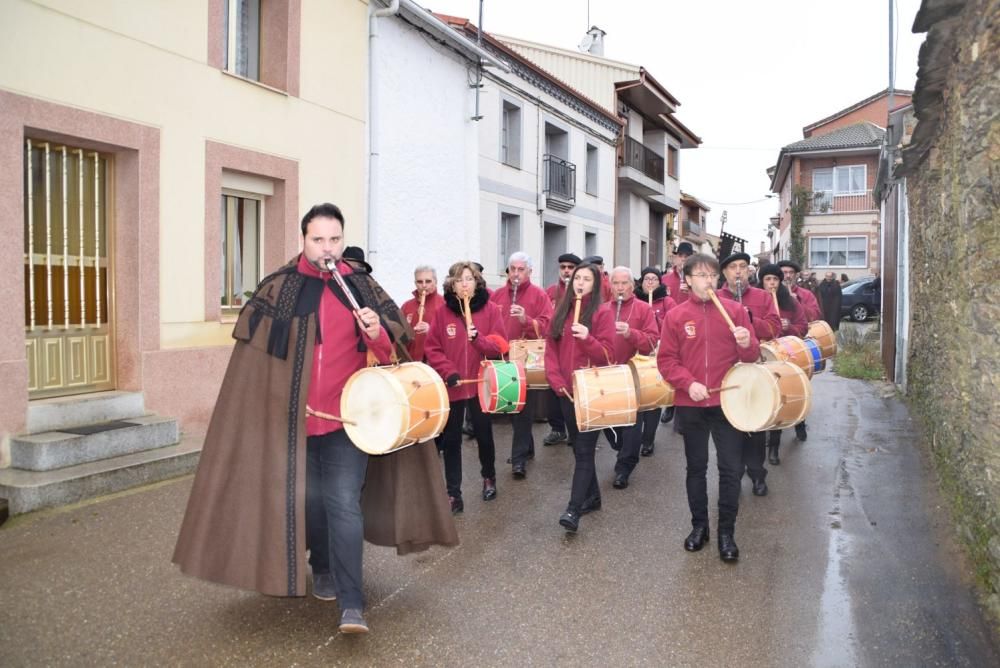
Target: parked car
860,300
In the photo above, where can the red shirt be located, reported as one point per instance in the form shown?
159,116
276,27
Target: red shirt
410,309
673,280
760,304
697,346
794,323
808,301
569,353
556,292
643,333
449,350
537,310
335,355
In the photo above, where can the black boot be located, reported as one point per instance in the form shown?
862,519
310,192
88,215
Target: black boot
696,539
727,547
772,454
800,431
570,520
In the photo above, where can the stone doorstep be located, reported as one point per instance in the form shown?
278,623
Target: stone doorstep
55,449
83,409
33,490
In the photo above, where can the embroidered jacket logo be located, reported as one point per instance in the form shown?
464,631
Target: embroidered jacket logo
451,330
689,329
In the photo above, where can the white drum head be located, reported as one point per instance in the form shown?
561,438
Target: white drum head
374,400
752,405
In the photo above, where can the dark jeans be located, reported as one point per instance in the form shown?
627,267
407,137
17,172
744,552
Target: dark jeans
649,422
754,451
696,424
556,420
630,439
523,444
335,474
774,438
584,446
452,441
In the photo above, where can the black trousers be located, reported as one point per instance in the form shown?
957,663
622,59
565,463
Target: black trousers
630,438
522,447
754,451
650,422
584,485
556,421
452,444
696,424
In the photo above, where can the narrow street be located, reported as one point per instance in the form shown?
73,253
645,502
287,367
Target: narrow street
850,560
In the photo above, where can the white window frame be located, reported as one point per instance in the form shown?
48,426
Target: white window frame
835,180
847,252
511,137
504,247
251,69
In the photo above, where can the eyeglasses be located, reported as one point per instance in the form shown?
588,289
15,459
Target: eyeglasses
711,276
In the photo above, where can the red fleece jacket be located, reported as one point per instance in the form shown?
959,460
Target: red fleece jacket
696,345
537,310
809,302
643,333
673,281
449,350
432,303
569,353
336,356
760,304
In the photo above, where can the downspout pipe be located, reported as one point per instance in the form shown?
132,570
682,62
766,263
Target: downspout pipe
373,149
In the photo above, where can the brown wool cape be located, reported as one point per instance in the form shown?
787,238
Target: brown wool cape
245,519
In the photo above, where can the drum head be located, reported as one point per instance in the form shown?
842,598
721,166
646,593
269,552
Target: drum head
753,403
374,399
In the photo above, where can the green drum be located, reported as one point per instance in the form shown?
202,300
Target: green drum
502,387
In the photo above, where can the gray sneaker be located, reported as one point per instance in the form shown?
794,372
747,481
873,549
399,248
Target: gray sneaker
324,587
352,621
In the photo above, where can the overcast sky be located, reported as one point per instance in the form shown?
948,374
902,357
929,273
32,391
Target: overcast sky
749,75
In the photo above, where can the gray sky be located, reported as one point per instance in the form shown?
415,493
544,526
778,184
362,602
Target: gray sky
749,75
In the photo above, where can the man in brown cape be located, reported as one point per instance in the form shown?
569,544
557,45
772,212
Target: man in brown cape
298,340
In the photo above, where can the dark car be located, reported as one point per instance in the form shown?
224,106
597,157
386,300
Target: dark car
860,300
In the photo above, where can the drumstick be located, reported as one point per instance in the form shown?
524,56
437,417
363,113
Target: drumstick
576,310
722,310
723,389
327,416
466,381
568,395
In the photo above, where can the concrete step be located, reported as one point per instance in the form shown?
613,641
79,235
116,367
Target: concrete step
33,490
83,409
58,449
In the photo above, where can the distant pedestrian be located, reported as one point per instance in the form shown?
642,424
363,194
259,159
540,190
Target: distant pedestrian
830,298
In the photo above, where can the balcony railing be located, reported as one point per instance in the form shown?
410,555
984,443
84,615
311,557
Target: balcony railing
641,157
825,201
560,182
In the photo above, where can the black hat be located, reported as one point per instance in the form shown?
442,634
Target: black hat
357,256
592,259
788,263
770,270
733,258
569,257
684,248
478,266
650,270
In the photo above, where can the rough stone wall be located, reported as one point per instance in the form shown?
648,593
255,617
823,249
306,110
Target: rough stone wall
954,208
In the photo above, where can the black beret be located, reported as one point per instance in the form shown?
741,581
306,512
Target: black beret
593,259
569,257
357,255
684,248
477,266
770,270
788,263
650,270
733,258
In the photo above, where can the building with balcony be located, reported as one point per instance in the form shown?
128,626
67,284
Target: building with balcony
692,223
647,174
833,170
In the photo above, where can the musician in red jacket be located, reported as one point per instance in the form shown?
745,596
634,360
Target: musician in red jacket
766,325
576,345
677,289
425,280
526,311
790,270
661,303
636,333
557,426
455,349
697,348
793,323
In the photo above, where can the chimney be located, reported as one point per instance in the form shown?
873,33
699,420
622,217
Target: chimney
593,41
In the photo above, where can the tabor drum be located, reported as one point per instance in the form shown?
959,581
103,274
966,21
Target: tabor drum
816,355
788,349
502,387
530,352
771,395
652,390
823,334
604,396
393,407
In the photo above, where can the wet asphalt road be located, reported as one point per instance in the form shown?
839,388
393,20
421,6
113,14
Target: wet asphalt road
849,561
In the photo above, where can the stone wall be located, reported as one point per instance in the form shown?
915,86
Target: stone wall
953,177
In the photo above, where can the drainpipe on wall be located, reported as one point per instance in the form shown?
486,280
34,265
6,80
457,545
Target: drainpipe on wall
391,10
